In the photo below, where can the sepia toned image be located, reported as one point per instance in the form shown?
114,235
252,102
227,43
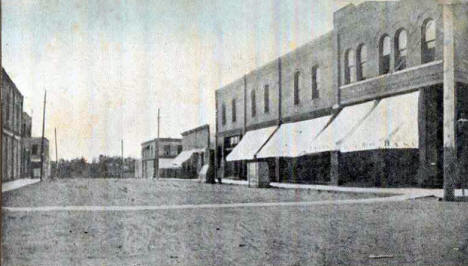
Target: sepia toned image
234,132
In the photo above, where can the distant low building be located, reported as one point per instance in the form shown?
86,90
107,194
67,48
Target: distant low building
152,162
138,169
33,147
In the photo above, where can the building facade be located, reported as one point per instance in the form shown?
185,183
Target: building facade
153,161
12,115
33,146
195,152
335,110
25,151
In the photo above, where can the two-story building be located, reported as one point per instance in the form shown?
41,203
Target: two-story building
380,100
195,152
12,112
154,161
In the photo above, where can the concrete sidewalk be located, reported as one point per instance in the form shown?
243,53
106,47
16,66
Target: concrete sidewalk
411,192
15,184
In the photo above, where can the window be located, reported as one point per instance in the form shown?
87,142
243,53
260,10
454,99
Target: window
266,98
315,82
401,44
179,149
385,51
297,76
167,149
252,103
223,114
35,149
350,64
234,117
428,41
362,62
8,105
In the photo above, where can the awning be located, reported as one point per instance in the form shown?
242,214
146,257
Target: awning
184,156
166,163
341,126
393,124
250,144
293,139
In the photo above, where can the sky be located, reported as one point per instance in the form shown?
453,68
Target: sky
108,65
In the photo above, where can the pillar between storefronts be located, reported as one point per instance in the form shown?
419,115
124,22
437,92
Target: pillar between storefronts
258,174
335,168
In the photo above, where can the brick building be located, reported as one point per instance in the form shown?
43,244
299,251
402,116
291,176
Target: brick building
169,148
195,152
363,104
12,115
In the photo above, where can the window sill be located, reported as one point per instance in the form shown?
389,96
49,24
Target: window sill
392,73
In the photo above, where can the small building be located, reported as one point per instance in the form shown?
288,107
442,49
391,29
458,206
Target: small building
25,153
138,169
33,147
153,161
195,152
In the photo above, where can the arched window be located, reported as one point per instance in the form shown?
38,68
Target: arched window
297,76
223,114
234,115
401,45
315,82
350,67
428,41
253,102
385,50
266,99
362,62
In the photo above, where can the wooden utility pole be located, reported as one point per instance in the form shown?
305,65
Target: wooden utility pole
56,154
122,165
1,124
156,163
42,139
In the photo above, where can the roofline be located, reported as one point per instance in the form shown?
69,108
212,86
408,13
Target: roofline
162,139
317,39
202,127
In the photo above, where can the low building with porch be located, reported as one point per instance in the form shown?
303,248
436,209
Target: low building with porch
154,161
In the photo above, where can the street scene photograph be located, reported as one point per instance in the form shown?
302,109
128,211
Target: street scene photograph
234,132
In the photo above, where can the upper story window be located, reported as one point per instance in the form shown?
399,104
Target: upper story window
266,98
385,50
297,76
350,67
362,71
315,82
253,103
8,105
167,149
401,52
223,114
35,149
428,41
234,111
